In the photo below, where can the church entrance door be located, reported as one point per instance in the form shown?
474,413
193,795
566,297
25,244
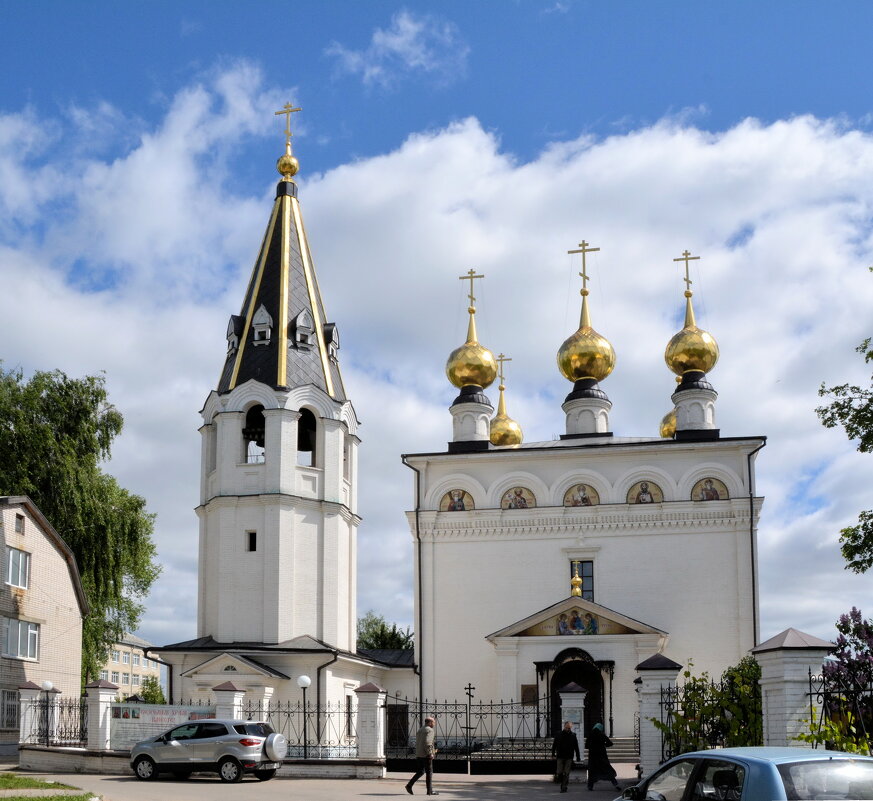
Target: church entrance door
582,671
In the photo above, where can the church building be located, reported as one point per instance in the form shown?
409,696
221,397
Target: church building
541,564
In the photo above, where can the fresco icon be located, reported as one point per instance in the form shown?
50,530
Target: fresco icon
709,489
645,492
581,495
518,498
457,500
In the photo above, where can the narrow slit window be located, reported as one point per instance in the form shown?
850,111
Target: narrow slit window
251,540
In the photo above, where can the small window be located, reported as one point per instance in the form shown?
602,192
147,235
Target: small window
350,713
586,573
115,678
136,679
115,655
136,659
104,675
17,567
125,678
125,658
19,524
262,326
22,639
9,709
251,540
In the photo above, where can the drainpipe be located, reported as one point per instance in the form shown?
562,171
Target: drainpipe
420,628
752,542
318,696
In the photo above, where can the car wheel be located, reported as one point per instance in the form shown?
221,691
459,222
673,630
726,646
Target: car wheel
265,775
229,770
276,747
145,769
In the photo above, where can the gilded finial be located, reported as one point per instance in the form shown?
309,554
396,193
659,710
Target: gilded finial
585,354
692,348
504,430
471,364
576,582
287,165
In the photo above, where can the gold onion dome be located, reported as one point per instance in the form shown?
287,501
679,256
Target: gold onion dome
692,348
586,354
504,430
287,165
668,424
576,583
472,363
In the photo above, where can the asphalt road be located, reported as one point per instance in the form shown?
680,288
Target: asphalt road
450,788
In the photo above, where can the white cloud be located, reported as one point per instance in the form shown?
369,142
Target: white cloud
412,43
780,214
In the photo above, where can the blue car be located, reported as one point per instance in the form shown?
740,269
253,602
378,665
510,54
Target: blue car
758,774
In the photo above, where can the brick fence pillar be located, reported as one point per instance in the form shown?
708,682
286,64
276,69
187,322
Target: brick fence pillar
371,721
655,672
100,695
786,661
228,701
29,712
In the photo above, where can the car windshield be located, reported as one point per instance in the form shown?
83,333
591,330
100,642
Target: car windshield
254,729
827,779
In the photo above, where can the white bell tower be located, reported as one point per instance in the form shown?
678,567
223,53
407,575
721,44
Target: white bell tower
278,522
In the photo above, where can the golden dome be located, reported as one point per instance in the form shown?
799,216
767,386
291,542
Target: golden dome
471,363
668,424
586,354
504,430
576,582
692,348
287,165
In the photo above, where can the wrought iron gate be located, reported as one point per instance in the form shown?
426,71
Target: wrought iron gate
479,738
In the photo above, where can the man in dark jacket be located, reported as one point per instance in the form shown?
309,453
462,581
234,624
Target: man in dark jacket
565,747
425,751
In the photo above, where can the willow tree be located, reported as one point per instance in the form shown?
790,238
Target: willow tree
55,433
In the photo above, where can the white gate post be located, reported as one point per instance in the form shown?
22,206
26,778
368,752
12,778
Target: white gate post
28,712
228,701
371,721
655,672
573,706
786,661
100,696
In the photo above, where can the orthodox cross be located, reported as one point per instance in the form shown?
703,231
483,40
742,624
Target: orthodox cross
471,276
501,358
288,109
583,245
686,257
469,691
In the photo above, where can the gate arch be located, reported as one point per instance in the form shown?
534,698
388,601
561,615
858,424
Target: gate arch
573,665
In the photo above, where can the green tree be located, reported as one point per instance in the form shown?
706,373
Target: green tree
374,632
151,691
851,407
55,432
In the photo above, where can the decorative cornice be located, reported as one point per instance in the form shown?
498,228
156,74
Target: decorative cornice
269,498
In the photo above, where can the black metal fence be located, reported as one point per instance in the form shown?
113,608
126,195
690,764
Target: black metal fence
841,712
490,737
314,731
706,714
57,721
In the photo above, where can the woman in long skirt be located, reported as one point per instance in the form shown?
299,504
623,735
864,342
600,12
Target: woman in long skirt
598,762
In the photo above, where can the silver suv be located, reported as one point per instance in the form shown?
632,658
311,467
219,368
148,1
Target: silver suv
231,747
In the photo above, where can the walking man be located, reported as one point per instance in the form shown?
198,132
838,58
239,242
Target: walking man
424,754
564,748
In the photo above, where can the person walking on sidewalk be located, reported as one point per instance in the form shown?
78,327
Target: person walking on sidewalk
564,748
598,762
424,754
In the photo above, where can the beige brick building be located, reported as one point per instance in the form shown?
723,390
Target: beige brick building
42,605
129,664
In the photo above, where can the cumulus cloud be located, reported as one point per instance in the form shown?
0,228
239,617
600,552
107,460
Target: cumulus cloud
412,43
151,254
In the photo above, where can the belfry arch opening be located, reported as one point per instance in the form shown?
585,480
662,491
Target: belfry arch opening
253,435
307,428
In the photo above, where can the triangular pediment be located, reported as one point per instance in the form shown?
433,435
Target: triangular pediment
232,666
575,618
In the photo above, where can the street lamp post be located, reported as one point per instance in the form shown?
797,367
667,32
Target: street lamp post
303,682
47,687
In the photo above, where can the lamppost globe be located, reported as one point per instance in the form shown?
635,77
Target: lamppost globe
47,686
303,682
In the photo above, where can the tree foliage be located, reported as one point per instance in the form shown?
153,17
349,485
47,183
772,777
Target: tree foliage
851,407
151,691
374,632
706,713
55,432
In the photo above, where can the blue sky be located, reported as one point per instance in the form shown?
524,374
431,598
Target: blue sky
137,144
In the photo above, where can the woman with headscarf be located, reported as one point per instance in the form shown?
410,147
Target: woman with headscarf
598,762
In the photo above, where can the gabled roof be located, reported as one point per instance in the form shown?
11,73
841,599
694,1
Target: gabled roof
566,606
246,661
396,657
282,291
57,540
300,644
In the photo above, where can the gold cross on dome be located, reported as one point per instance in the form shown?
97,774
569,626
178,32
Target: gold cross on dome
500,359
583,245
471,276
288,109
686,257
